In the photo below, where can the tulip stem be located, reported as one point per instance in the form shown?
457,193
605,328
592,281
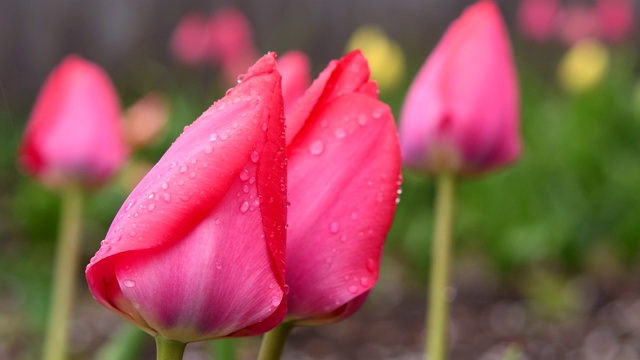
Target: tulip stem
64,274
169,349
273,342
438,315
224,349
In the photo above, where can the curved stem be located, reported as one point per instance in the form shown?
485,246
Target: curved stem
65,270
273,342
169,349
438,314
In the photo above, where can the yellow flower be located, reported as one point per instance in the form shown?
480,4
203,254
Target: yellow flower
385,56
583,66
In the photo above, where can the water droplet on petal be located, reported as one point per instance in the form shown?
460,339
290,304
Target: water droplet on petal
218,265
213,137
354,216
244,207
276,301
184,197
224,136
371,265
364,281
343,238
255,156
129,283
377,113
352,289
240,78
132,233
192,175
152,195
208,149
166,197
244,175
334,227
362,119
316,147
218,221
165,185
235,125
340,133
151,207
183,168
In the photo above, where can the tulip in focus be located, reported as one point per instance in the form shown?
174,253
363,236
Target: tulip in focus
584,66
197,250
385,56
461,111
74,135
344,169
538,19
296,76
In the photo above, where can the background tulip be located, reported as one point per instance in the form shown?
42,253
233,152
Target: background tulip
295,69
74,135
461,111
197,250
344,168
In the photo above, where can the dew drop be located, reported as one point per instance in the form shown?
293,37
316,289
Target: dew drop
240,78
218,265
362,119
264,126
235,125
244,175
152,195
224,136
244,207
129,283
255,156
371,265
354,216
343,238
252,180
275,301
129,206
184,197
132,233
192,175
151,207
272,285
352,289
165,185
183,168
340,133
316,147
166,197
213,137
245,188
208,149
218,221
377,113
181,182
334,227
364,281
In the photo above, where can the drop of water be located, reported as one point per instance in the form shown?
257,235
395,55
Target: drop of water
192,175
151,207
354,216
244,207
255,156
166,197
275,301
152,195
352,289
316,147
364,281
245,188
184,197
132,233
371,265
129,283
181,182
252,180
343,238
362,119
218,265
218,221
235,125
264,126
240,78
183,168
224,136
340,133
165,185
334,227
244,175
129,206
377,113
213,137
272,285
208,149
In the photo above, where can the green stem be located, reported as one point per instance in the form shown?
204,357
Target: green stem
224,349
64,274
127,343
438,314
169,349
273,342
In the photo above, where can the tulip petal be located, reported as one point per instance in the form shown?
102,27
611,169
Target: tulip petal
339,212
226,171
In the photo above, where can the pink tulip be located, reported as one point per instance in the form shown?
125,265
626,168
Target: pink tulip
579,21
190,43
538,19
296,76
344,168
231,42
197,250
461,112
73,135
616,18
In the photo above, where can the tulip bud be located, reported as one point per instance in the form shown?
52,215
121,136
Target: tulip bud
538,19
461,111
144,121
74,135
344,170
197,250
190,43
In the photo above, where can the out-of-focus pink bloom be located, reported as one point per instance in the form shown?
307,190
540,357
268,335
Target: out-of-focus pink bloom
615,18
145,119
578,21
191,43
197,249
296,76
538,19
74,135
231,42
461,112
344,169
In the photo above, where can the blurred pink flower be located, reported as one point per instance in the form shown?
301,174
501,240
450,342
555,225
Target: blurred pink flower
344,169
296,76
615,18
579,21
538,19
74,133
190,43
461,112
197,250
